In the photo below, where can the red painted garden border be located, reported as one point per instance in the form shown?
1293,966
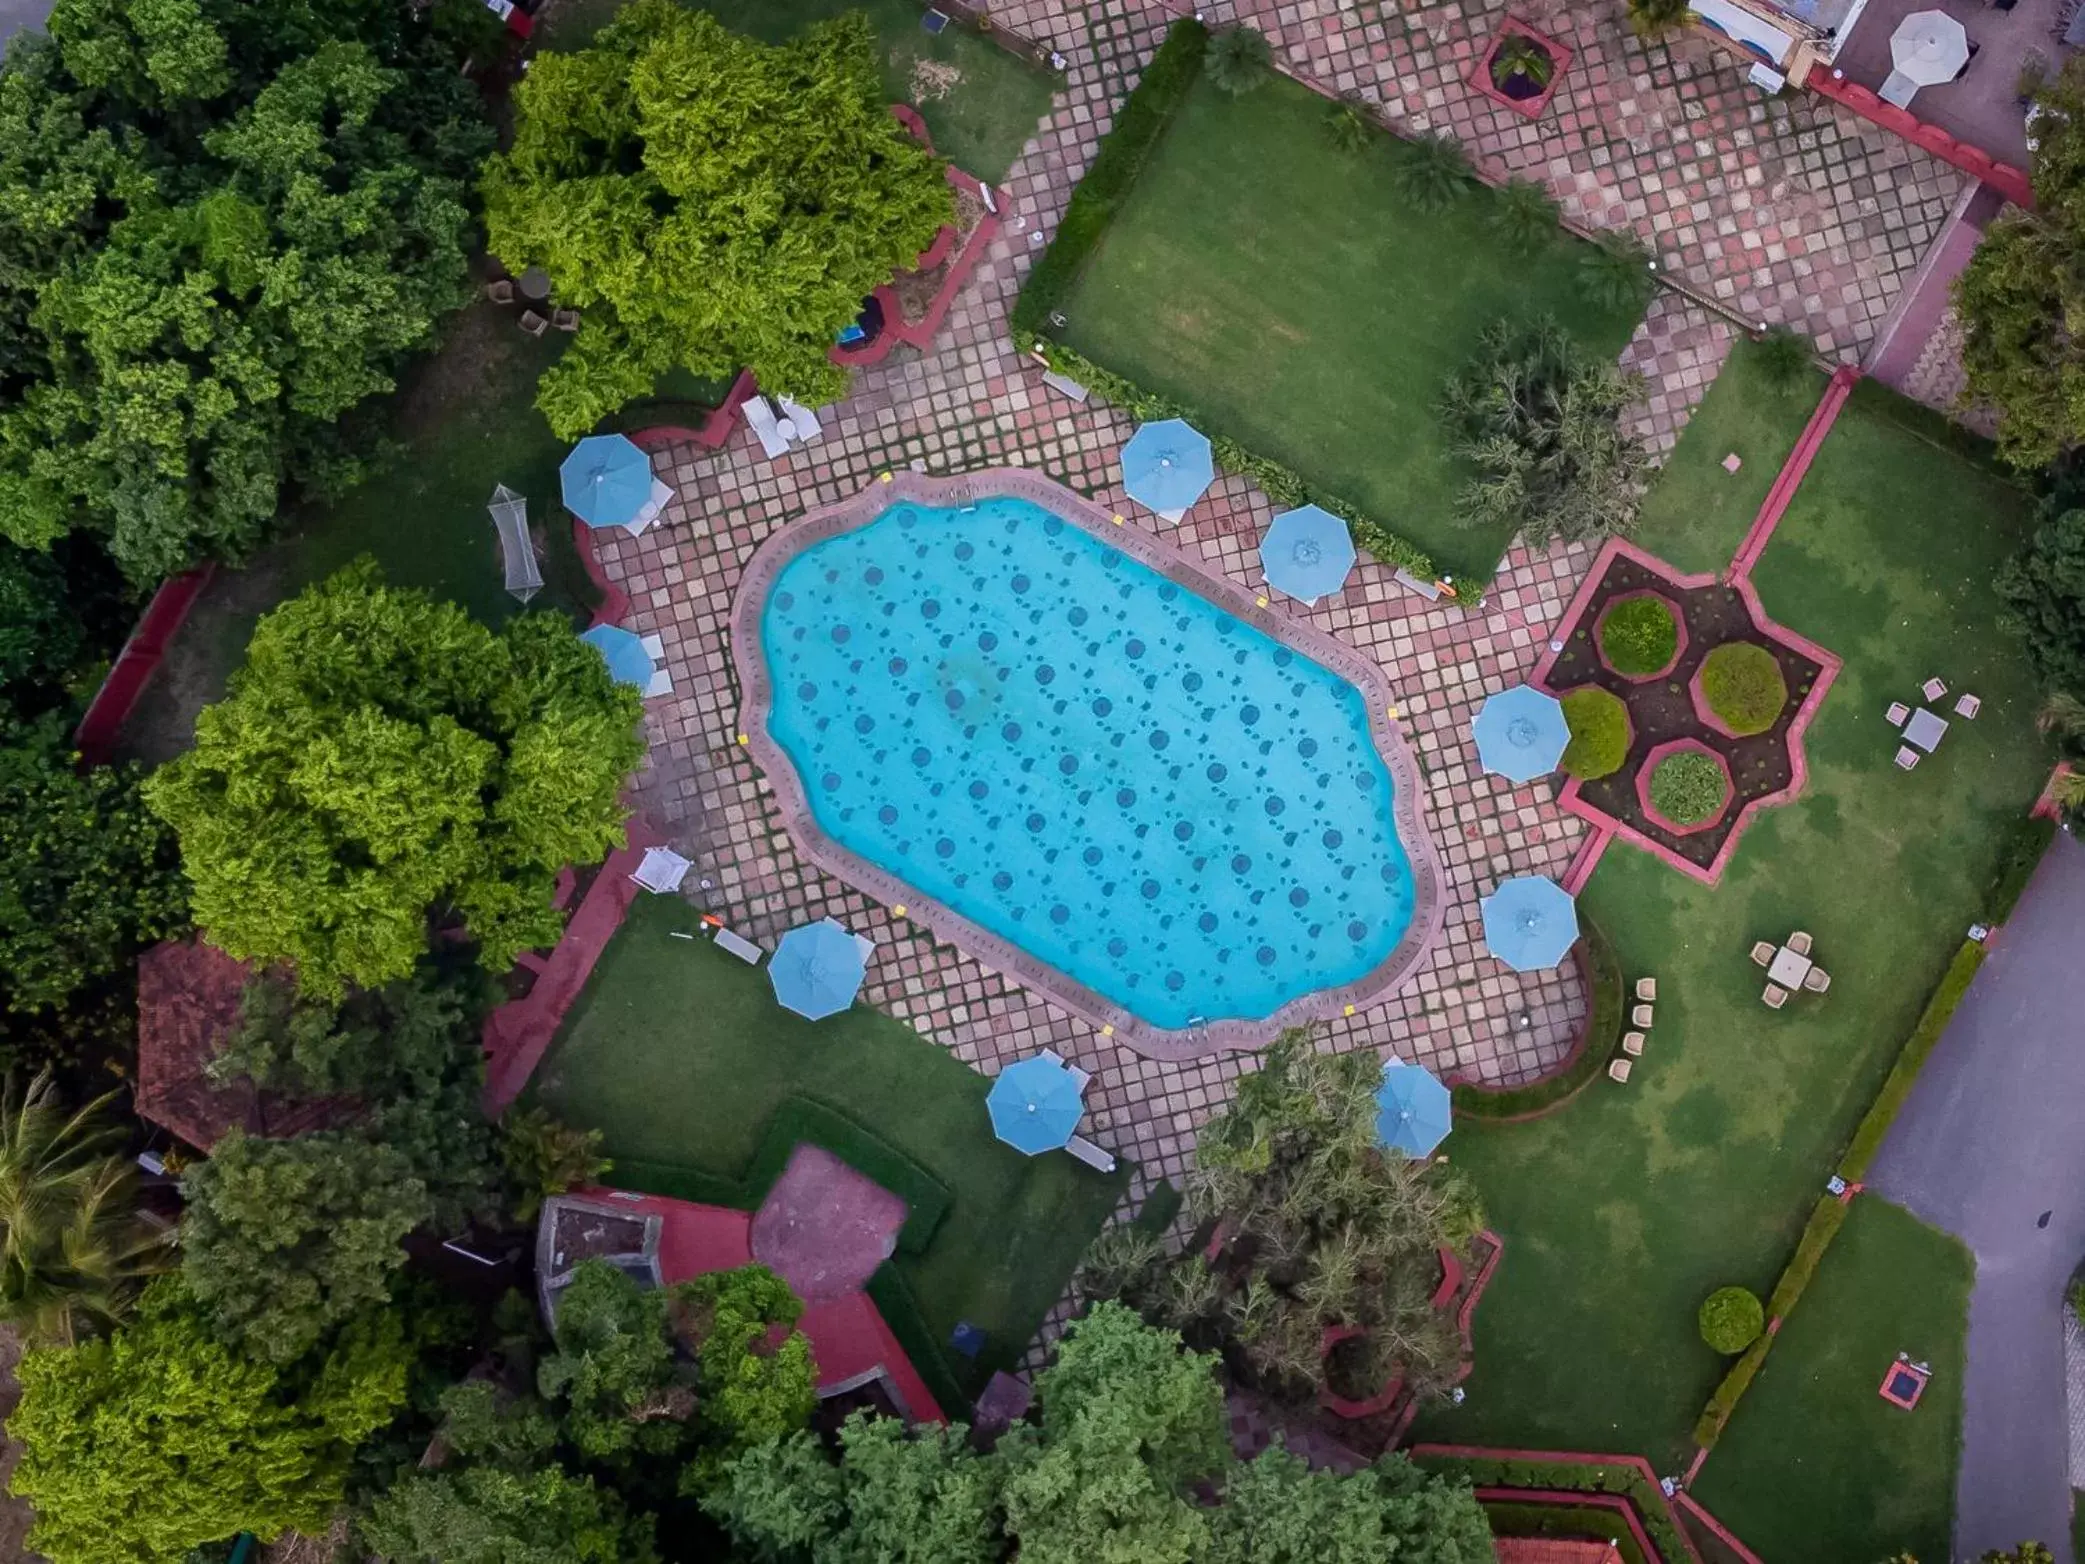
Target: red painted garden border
95,737
1790,478
1564,1498
1561,53
2013,183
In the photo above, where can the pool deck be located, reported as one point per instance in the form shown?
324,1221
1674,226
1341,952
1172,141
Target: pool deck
1000,955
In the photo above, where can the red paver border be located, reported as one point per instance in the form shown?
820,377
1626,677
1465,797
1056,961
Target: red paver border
1792,473
95,737
1561,54
1001,954
1972,160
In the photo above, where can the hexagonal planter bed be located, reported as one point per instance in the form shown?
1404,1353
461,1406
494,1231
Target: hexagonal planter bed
1521,69
1640,635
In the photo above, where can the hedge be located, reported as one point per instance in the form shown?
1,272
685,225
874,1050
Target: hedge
1708,1428
888,1290
1599,725
1826,1218
804,1119
1116,165
1744,686
1573,1477
2025,844
1603,1026
1687,787
1587,1521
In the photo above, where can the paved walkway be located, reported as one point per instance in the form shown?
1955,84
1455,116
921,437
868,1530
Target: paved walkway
1988,1148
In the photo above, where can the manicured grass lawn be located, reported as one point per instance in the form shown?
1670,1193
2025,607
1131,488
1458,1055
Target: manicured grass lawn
1298,303
1815,1464
1696,514
680,1054
1623,1211
979,120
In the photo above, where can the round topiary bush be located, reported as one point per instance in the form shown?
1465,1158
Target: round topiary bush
1731,1319
1599,726
1743,686
1639,636
1688,787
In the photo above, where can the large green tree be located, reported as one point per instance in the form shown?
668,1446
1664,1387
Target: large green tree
2044,592
486,1515
138,1448
708,201
285,1239
222,229
2021,299
383,757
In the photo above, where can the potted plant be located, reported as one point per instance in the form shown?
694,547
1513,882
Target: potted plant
1521,68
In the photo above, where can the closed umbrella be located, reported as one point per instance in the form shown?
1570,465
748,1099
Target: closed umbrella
1166,465
1035,1105
817,970
1412,1110
1307,553
1929,47
1530,922
606,481
1521,733
624,653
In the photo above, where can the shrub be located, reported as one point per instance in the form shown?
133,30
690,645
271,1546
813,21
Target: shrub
1524,217
2025,844
1688,787
1239,60
1519,55
1431,171
1731,1319
1783,354
1615,271
1348,125
1599,726
1654,18
1639,636
1743,686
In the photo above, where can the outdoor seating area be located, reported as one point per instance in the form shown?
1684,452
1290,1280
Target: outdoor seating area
1922,728
780,425
1790,969
1641,1015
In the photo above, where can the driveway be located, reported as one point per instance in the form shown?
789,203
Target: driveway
1990,1147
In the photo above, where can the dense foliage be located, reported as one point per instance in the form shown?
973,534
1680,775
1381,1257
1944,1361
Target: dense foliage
1431,171
1731,1318
2044,593
223,226
709,202
1688,787
1131,1436
1318,1228
160,1439
1540,419
1638,636
545,1157
91,876
1599,725
1524,216
381,758
1743,685
2024,290
1239,60
486,1515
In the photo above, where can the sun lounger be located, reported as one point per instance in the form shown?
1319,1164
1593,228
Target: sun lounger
662,870
801,419
661,681
740,946
1430,590
760,418
1093,1156
1064,385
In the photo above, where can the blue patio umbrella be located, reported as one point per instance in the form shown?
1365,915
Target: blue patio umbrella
1307,553
624,653
1411,1110
1167,465
1530,921
1035,1105
817,969
1521,733
606,480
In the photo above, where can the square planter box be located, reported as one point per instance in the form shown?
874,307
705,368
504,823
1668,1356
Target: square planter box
1532,105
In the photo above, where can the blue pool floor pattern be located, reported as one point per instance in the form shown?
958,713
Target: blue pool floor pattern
1099,766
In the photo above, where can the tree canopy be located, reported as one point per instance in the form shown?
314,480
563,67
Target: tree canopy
2043,588
708,201
487,1515
223,225
382,757
2023,292
137,1448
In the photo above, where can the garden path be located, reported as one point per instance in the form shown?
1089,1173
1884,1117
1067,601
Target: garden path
1987,1148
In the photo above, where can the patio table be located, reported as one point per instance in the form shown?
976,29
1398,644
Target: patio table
1925,729
1788,969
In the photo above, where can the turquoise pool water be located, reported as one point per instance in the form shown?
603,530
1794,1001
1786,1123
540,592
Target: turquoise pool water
1098,765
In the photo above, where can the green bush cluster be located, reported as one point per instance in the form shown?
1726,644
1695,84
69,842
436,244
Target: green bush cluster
1639,636
1744,686
1604,1025
1730,1319
1570,1477
1599,724
1688,787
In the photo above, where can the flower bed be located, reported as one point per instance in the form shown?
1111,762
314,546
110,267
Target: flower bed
1640,635
1687,787
1738,689
1522,68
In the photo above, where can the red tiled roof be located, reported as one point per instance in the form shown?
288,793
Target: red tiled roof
1554,1550
188,1003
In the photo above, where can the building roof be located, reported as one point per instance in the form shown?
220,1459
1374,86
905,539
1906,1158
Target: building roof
1554,1550
188,1003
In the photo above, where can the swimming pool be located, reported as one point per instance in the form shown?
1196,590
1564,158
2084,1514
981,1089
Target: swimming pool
1069,749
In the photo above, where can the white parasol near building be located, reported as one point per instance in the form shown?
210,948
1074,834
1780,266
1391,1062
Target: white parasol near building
1928,48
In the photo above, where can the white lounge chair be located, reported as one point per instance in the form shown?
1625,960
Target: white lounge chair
760,418
740,946
662,870
1093,1156
802,421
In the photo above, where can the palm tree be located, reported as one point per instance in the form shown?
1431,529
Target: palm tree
2062,717
1237,60
1617,272
1525,217
1348,126
73,1246
1432,171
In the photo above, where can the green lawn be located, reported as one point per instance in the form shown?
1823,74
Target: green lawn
1291,297
680,1054
979,119
1815,1464
1623,1211
1698,513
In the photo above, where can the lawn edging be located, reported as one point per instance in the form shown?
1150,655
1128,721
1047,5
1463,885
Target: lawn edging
1602,971
1829,1214
1570,1477
804,1120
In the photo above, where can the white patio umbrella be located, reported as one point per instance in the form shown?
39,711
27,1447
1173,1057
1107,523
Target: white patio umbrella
1929,47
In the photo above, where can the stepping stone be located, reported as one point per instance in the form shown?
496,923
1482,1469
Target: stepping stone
1732,462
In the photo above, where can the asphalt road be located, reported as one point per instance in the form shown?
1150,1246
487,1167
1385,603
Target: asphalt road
1990,1146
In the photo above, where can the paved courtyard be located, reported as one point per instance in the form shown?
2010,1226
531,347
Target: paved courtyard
1791,214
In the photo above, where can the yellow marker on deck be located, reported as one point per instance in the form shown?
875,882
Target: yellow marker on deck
742,738
899,911
1396,712
1259,602
1117,521
883,477
1107,1031
1350,1009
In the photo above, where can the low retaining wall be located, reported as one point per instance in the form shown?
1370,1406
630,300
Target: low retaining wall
1851,95
99,729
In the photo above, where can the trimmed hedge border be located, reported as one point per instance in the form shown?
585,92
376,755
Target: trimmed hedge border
2024,850
1829,1214
892,1295
1626,1482
1603,975
1562,1521
805,1119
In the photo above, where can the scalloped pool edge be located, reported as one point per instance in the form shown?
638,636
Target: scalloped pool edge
756,698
